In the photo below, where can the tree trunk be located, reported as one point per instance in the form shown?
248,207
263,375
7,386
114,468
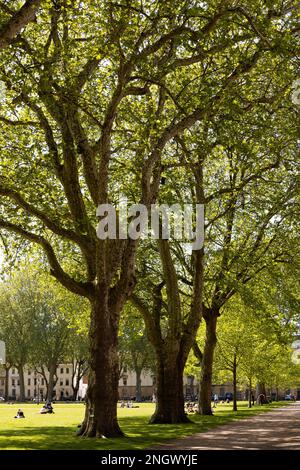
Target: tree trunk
250,394
22,384
102,394
7,369
52,370
75,391
261,390
210,317
169,394
138,388
76,378
235,384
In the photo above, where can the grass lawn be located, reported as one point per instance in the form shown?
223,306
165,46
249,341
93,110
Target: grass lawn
57,431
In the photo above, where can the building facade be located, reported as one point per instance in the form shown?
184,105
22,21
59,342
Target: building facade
36,388
35,384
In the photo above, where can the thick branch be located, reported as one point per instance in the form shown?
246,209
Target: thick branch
30,209
170,276
82,288
14,25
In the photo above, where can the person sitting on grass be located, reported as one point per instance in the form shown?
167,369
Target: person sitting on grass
20,414
47,408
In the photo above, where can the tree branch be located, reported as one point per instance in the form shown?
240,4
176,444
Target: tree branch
14,25
82,288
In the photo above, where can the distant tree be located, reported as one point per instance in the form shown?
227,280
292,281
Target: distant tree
51,333
17,304
134,347
78,355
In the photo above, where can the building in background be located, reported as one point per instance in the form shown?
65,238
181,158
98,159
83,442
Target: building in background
36,388
35,384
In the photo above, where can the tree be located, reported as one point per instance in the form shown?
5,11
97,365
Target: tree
80,94
255,334
16,322
35,323
51,332
134,347
249,235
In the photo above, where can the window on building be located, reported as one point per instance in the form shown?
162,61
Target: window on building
61,383
13,382
67,370
29,372
67,382
13,392
18,382
62,370
28,393
34,381
13,371
29,382
125,381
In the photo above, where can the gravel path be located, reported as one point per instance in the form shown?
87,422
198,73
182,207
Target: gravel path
278,429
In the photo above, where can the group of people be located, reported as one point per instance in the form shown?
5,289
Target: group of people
47,408
191,407
216,400
128,404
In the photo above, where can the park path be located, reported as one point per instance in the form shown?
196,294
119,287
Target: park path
278,429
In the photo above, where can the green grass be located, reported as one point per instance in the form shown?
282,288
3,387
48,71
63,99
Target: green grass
57,431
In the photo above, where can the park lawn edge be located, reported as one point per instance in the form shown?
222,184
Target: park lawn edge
139,434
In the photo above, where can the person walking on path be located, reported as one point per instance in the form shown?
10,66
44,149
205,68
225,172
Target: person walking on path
216,400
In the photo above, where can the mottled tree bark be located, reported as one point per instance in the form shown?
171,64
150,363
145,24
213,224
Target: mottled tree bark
102,395
169,395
